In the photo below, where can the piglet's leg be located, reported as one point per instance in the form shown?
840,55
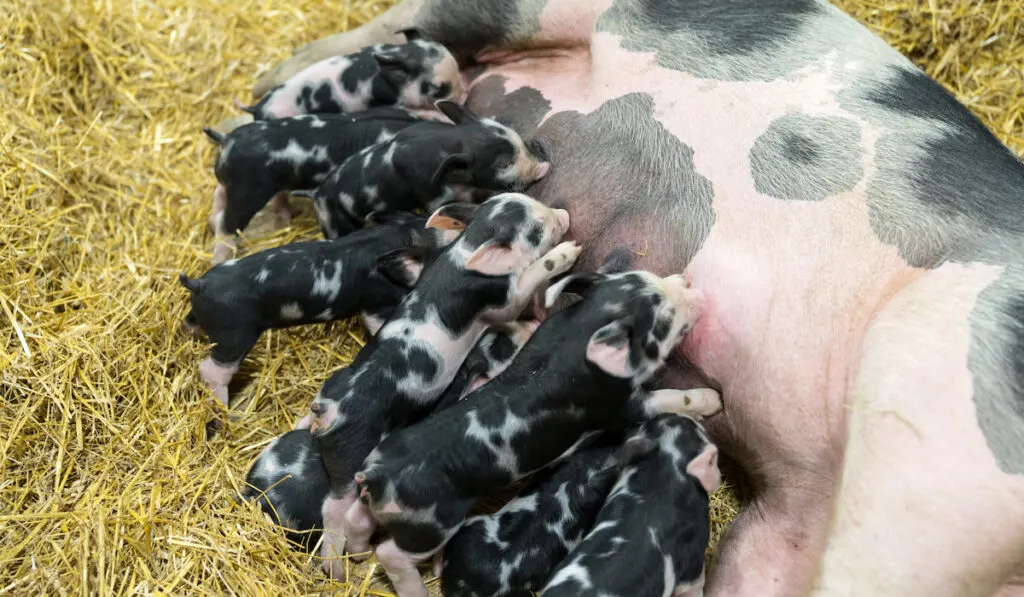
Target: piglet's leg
333,546
700,402
218,376
359,527
282,207
401,569
557,261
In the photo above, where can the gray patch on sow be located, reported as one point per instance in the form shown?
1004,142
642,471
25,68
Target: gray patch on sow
807,158
996,363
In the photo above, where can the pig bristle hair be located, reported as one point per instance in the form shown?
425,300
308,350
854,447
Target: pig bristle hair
110,484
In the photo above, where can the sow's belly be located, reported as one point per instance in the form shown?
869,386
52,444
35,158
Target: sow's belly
746,187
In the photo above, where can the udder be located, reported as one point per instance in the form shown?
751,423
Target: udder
657,165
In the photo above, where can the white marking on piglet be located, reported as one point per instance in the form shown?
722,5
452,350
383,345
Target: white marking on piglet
325,315
565,516
384,136
262,276
511,426
293,152
328,287
574,571
389,155
507,568
291,311
670,576
318,123
229,262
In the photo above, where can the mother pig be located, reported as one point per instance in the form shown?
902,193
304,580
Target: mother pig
859,236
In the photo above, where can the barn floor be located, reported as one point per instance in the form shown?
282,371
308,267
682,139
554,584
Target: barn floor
108,484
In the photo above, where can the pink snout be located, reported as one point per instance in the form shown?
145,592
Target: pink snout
322,415
688,301
563,220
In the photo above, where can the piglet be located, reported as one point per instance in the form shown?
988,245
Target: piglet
289,477
289,481
509,248
418,167
650,536
578,375
368,272
263,161
413,75
513,552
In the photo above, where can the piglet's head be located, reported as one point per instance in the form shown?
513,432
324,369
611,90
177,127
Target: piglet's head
683,442
422,71
646,316
505,234
488,154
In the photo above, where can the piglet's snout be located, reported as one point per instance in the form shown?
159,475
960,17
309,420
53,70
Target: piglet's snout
320,415
689,302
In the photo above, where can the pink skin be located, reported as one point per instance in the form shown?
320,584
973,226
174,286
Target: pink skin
282,207
218,377
401,569
332,549
697,403
305,422
359,525
877,367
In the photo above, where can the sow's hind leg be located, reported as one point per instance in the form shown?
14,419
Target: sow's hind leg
932,494
465,27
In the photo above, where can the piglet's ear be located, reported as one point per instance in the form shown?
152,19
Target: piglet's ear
411,34
705,469
493,259
454,169
636,448
453,216
456,112
402,266
578,283
609,348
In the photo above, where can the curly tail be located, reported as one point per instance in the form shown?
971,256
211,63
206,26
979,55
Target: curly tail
214,136
250,109
193,286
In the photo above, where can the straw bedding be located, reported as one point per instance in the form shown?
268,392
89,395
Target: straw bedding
108,484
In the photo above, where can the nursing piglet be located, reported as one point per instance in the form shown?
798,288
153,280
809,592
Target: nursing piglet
650,536
368,272
508,250
417,169
513,552
289,481
576,376
289,478
412,75
263,161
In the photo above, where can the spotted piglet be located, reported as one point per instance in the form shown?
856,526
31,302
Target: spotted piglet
263,161
491,355
368,273
288,477
508,250
417,169
413,75
650,536
289,481
579,374
513,552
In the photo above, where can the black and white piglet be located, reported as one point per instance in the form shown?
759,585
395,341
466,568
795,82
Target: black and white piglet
368,273
289,478
508,250
289,481
650,536
513,552
578,375
417,169
262,161
413,75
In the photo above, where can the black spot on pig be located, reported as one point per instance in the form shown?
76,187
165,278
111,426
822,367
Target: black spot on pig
806,158
967,172
536,235
723,39
946,187
522,109
628,183
362,68
323,99
422,363
996,362
466,26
